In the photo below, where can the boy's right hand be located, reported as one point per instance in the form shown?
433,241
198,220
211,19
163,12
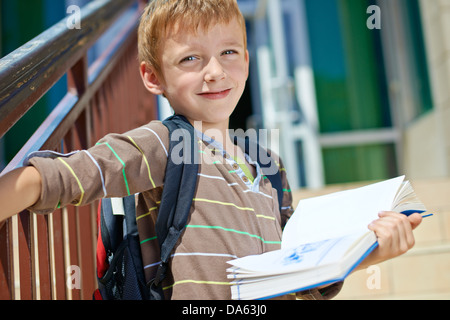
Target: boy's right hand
395,236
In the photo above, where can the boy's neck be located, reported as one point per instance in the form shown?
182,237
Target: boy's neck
220,133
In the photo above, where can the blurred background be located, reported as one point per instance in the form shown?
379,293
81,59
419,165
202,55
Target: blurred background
359,91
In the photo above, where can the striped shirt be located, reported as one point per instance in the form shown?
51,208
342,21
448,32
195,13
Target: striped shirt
231,216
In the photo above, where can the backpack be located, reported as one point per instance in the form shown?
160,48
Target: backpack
120,271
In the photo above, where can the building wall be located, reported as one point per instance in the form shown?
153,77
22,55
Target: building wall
427,139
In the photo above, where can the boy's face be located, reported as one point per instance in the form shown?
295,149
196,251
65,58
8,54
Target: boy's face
204,74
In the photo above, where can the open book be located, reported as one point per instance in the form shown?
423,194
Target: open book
324,240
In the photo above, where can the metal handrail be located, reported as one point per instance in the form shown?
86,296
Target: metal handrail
31,70
84,86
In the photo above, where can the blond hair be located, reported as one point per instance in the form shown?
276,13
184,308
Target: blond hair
162,16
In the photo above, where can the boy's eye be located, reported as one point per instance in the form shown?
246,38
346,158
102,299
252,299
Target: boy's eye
190,58
227,52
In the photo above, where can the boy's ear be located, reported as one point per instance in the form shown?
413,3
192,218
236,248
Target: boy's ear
247,61
150,79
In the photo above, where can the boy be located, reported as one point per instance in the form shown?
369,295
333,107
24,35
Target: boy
194,53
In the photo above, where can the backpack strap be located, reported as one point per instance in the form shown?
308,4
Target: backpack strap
268,165
178,192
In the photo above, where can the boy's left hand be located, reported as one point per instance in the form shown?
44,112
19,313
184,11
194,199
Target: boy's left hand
395,235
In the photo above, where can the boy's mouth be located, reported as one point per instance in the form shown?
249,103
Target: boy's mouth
215,95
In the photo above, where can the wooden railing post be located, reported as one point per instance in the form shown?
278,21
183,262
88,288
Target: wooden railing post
5,254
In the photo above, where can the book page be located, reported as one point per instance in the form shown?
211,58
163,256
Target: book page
303,257
407,200
339,214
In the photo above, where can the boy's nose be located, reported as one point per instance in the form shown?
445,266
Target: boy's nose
214,71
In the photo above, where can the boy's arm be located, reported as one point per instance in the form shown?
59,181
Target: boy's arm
19,190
